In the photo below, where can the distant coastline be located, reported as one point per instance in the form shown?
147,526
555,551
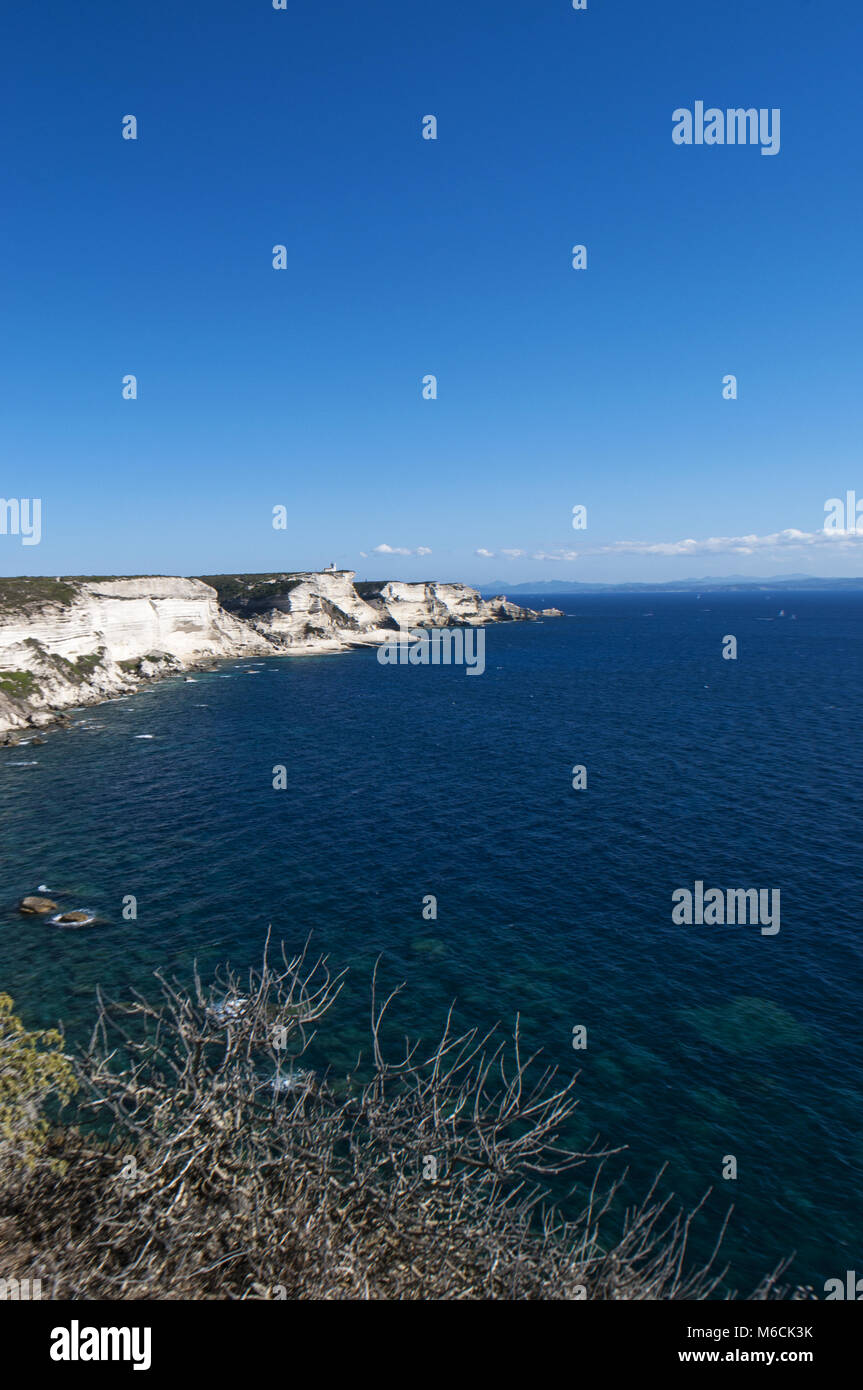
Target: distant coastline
733,584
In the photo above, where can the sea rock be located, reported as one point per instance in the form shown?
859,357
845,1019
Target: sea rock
230,1008
35,906
296,1080
73,919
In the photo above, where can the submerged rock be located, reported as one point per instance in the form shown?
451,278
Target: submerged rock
73,919
428,946
747,1024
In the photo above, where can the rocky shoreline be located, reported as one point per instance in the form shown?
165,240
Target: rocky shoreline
67,643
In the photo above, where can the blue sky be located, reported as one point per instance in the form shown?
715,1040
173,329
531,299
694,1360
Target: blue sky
302,387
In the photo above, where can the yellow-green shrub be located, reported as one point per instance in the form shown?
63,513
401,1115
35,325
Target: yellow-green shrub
32,1069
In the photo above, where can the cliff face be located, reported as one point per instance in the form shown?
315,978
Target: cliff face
329,610
101,637
133,617
438,605
302,612
65,643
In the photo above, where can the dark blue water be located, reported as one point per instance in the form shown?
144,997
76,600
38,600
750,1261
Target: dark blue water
553,903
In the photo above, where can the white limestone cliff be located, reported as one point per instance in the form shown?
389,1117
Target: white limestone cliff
103,638
132,617
304,612
432,604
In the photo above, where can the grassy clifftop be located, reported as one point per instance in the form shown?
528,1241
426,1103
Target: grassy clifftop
17,595
35,591
249,588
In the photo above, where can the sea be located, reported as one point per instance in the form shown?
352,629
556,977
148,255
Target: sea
694,1044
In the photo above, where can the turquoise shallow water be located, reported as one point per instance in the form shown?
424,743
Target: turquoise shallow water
703,1041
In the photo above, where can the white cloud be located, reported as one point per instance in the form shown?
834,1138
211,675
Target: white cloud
790,539
400,550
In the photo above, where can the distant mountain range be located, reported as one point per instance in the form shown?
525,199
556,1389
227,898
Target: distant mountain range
730,582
